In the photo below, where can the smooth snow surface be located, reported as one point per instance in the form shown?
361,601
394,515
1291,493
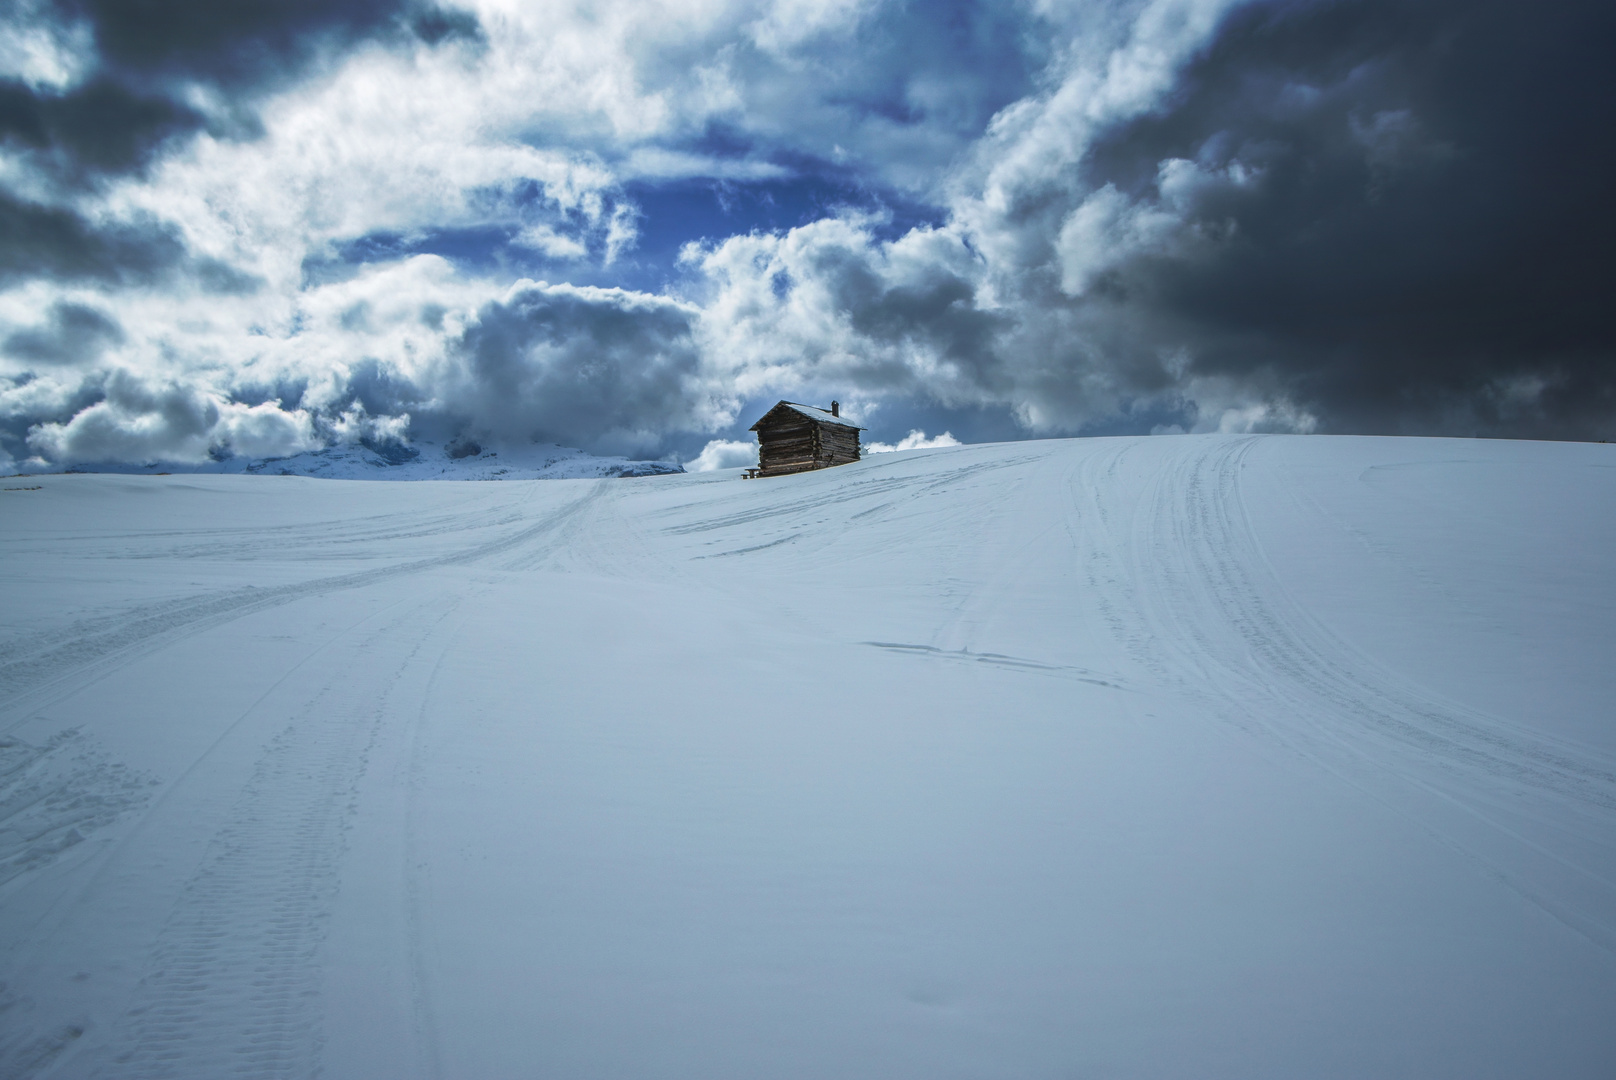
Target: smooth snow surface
1198,756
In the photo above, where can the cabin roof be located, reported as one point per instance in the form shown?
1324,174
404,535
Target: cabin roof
822,416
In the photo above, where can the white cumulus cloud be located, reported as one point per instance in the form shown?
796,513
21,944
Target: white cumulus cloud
915,440
724,454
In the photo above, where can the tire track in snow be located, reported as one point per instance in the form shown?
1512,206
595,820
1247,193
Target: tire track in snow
235,981
1096,533
1280,639
536,547
105,786
1214,607
998,571
31,678
423,1011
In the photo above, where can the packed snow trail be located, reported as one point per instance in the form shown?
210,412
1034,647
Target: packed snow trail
1212,756
1218,611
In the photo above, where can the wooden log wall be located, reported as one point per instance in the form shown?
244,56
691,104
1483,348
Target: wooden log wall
838,445
783,445
790,446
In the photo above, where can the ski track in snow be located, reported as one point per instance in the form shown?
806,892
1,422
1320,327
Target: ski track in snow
1209,605
30,671
223,1003
1152,537
1183,580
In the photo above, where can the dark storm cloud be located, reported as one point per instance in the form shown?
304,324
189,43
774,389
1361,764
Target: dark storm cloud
377,389
938,314
72,333
149,53
595,368
100,127
1423,242
132,107
49,242
435,25
56,244
57,404
245,42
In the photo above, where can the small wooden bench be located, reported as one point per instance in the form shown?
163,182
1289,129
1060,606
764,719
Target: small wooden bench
750,474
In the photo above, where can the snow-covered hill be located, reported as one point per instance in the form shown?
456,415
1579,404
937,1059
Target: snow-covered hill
1188,756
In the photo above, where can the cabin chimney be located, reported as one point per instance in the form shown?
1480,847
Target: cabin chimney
836,408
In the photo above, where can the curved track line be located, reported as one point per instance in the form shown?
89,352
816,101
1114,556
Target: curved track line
1213,607
235,984
79,657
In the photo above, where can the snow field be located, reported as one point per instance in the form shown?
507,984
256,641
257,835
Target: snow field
1190,756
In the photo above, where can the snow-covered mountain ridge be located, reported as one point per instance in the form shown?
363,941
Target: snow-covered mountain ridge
1159,757
458,459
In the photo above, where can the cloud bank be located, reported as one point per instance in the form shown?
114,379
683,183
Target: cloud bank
255,229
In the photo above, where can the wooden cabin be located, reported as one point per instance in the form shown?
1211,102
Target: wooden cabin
795,438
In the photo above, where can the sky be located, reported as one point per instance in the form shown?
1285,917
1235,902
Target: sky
630,226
